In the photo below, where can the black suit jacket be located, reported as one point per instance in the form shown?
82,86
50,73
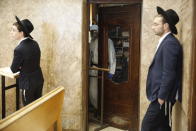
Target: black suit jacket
27,61
165,72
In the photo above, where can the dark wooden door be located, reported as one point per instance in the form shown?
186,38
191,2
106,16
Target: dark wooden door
121,24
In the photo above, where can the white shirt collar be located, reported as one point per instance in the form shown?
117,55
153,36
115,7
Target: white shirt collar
22,40
161,39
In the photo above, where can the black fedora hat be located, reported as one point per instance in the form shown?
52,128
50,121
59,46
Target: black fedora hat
171,17
27,26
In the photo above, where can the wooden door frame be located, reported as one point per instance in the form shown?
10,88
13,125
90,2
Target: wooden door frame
85,68
85,54
192,102
115,1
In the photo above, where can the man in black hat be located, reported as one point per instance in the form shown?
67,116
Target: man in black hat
27,61
165,73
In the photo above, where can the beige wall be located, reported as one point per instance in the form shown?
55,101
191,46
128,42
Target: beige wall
58,29
148,45
58,26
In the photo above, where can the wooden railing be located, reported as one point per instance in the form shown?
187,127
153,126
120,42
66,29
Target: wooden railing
41,115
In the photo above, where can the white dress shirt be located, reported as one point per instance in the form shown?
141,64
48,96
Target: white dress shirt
112,57
22,39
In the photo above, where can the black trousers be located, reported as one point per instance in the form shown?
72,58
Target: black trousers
155,118
32,93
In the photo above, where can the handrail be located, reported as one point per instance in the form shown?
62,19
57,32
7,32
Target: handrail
4,123
99,69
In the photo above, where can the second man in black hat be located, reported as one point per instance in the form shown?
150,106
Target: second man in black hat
164,74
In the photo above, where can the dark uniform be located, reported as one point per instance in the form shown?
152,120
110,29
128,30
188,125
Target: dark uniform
27,61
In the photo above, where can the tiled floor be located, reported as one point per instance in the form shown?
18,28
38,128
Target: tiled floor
93,126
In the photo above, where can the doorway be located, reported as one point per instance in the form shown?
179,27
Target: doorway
119,26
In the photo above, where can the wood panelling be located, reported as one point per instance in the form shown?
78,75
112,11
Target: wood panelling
116,1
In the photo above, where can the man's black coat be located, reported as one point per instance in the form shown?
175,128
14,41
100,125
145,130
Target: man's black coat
27,61
165,72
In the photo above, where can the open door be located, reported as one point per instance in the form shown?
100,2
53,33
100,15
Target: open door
120,25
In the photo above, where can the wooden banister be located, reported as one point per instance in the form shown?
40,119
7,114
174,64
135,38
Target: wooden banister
99,69
41,115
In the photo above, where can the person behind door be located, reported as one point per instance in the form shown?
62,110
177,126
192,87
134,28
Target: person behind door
27,61
165,73
93,81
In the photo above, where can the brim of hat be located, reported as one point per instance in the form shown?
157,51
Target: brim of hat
20,23
162,12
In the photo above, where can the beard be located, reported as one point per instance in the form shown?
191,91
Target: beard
159,32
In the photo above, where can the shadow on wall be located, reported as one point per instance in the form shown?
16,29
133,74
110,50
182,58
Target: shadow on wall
178,116
49,36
